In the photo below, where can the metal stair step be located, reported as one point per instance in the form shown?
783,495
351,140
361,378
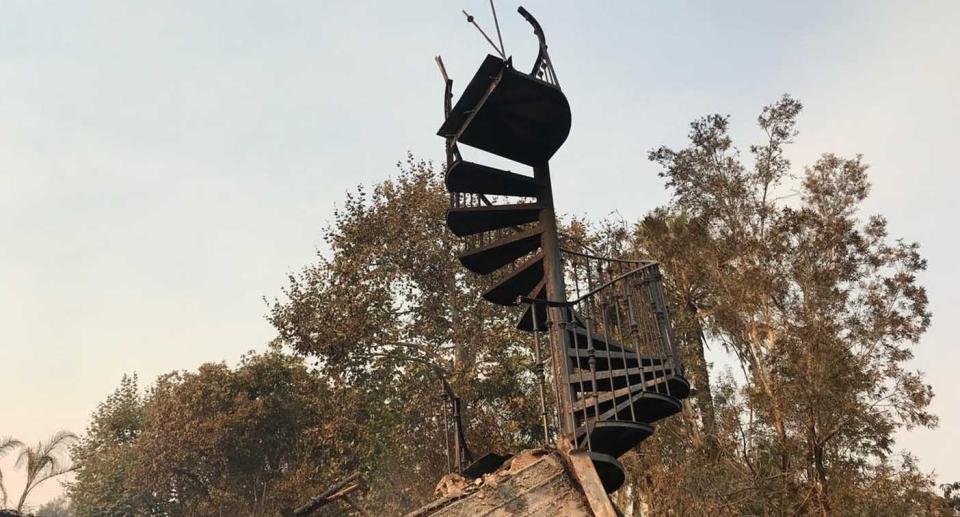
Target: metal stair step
478,219
518,283
581,339
648,407
493,256
609,470
605,398
613,437
608,380
473,178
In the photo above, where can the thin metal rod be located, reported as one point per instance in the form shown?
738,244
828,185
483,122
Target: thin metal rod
672,341
626,373
539,363
583,391
642,328
591,352
446,426
471,19
664,356
496,22
457,445
556,384
663,325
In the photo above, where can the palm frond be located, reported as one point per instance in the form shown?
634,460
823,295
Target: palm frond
3,492
8,444
47,460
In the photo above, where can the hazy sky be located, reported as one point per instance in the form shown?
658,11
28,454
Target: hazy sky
164,166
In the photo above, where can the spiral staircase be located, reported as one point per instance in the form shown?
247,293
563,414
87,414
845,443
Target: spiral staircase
610,348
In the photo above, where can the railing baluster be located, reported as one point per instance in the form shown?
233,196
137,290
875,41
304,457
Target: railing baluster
583,391
657,334
591,353
623,341
626,368
446,426
539,370
664,317
612,299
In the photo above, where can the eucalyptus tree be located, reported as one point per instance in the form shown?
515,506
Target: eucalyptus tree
817,304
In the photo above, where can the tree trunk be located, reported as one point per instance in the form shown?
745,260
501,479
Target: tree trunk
700,374
823,495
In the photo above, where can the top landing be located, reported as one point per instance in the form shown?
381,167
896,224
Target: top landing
509,113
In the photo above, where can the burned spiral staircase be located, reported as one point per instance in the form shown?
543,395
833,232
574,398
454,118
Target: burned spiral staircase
610,345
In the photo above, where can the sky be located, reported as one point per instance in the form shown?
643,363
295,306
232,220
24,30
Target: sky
164,166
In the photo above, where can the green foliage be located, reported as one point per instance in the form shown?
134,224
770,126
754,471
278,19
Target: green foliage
250,440
59,507
820,310
105,481
816,309
388,313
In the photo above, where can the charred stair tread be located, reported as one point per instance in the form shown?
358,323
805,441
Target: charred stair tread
616,354
518,283
667,381
619,377
605,397
477,219
611,343
523,118
493,256
610,360
613,437
609,470
648,407
473,178
579,337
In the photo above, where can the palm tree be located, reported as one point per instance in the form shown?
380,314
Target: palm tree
47,460
7,444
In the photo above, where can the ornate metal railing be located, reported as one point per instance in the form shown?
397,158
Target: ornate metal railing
621,363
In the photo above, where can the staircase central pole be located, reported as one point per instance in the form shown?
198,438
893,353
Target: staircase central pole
557,292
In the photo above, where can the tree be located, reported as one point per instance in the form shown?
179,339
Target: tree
59,507
7,445
951,496
388,312
250,440
819,308
385,317
46,461
106,457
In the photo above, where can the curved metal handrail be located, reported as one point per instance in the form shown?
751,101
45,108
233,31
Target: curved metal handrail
543,59
608,259
569,303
